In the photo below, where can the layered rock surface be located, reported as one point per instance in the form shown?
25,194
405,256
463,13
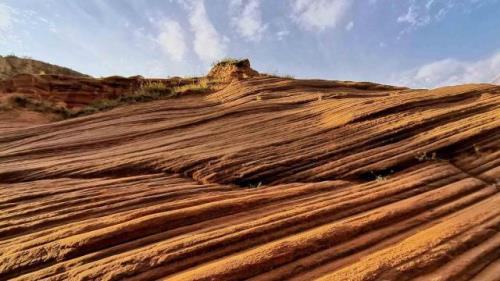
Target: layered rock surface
266,179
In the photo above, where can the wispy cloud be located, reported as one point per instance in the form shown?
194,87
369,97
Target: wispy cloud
414,16
319,14
349,26
247,19
280,35
422,13
451,72
208,44
171,39
9,19
5,17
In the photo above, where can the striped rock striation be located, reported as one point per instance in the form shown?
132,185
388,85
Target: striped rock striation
266,179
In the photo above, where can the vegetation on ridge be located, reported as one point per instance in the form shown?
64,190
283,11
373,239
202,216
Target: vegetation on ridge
223,71
148,91
230,61
21,101
11,65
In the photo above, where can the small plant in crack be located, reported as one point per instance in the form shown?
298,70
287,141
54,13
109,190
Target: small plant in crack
381,177
253,185
477,149
426,157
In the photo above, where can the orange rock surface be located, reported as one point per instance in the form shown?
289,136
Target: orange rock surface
266,179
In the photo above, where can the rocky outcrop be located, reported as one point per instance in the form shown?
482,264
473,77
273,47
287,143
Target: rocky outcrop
230,69
266,179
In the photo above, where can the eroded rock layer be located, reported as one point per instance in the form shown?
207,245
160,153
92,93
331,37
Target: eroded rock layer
76,91
267,179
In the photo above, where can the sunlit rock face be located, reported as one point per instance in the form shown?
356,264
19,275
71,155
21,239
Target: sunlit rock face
266,178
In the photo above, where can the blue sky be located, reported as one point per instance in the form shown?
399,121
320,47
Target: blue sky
426,43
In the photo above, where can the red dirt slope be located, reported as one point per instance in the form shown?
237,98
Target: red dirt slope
267,179
75,91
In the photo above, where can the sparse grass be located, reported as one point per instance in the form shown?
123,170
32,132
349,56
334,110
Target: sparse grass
152,86
201,86
103,104
278,75
257,185
148,91
228,61
477,149
381,176
37,105
425,157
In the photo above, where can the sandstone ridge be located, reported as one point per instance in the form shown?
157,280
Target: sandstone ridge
264,178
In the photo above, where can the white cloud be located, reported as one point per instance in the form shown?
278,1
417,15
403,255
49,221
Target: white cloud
282,34
349,26
421,13
451,72
207,43
5,17
414,17
319,14
247,19
171,39
9,36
